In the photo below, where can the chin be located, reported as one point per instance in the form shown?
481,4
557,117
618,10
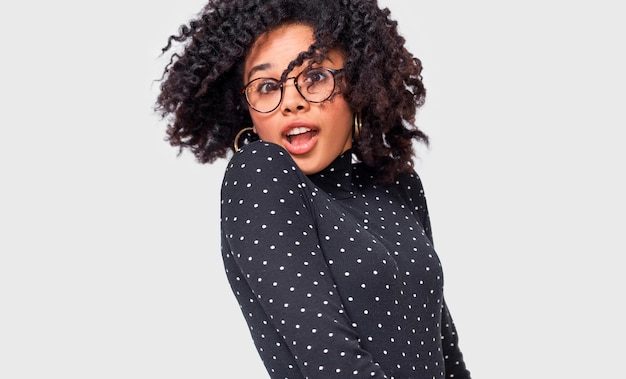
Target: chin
307,167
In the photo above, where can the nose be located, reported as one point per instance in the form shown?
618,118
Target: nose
292,99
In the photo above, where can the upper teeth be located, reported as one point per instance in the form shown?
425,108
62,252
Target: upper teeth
299,130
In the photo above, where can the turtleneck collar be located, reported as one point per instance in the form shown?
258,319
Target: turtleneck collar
336,178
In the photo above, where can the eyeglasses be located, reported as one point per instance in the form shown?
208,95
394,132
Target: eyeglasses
315,85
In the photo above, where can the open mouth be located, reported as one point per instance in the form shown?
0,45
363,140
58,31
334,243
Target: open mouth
300,135
300,140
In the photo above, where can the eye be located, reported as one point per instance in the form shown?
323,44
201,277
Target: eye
264,86
315,76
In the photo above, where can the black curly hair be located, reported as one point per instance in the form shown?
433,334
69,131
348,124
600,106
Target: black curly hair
200,87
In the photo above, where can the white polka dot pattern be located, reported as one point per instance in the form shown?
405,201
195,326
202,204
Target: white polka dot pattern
336,276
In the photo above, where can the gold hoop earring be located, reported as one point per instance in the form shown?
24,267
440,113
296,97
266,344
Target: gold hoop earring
357,125
239,134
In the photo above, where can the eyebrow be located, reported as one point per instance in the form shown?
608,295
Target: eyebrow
260,67
265,66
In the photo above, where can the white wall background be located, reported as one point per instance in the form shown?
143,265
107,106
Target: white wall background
110,263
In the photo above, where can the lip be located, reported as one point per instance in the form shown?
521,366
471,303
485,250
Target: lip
299,147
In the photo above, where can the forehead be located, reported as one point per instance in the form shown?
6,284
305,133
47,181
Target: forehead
275,49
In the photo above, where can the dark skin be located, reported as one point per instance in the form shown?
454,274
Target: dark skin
200,89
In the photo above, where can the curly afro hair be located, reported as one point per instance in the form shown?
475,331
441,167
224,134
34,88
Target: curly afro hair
200,88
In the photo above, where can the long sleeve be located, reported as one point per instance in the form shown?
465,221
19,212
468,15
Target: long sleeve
272,254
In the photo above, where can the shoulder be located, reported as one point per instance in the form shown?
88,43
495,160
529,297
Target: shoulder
410,188
411,182
261,166
260,154
259,159
408,185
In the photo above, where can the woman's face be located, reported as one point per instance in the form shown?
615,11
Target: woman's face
314,134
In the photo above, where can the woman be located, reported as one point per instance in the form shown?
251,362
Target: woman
326,239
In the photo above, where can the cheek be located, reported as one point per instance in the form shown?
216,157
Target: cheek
342,117
261,124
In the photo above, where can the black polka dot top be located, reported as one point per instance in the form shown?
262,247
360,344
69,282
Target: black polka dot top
336,276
